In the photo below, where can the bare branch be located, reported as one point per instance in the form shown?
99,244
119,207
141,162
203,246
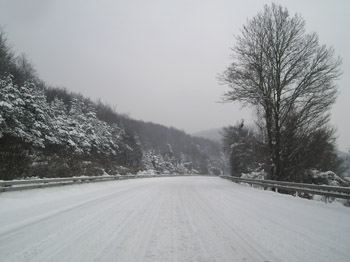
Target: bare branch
284,71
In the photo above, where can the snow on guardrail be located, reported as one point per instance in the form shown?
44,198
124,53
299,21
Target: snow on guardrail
323,190
16,185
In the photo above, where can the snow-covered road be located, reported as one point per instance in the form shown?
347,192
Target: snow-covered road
169,219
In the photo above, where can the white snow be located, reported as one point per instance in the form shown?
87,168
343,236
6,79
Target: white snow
5,104
169,219
330,177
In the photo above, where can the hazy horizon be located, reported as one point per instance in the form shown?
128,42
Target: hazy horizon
158,61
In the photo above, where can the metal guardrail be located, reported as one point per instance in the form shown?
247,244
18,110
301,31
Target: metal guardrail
16,185
328,191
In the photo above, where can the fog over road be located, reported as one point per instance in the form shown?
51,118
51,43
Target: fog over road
169,219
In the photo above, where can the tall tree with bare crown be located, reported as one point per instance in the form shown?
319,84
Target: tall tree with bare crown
287,77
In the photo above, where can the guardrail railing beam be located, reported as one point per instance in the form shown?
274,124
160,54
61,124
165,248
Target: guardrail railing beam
297,188
16,185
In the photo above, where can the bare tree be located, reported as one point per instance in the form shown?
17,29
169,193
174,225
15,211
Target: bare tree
283,72
25,71
6,55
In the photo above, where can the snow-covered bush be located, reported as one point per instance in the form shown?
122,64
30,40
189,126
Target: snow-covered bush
165,163
326,178
255,175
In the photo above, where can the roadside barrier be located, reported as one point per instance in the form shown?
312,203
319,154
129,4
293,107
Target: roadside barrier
323,190
16,185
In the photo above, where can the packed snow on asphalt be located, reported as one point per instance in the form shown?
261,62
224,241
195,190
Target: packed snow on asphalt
169,219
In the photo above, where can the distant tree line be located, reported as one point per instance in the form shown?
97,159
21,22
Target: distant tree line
288,78
50,132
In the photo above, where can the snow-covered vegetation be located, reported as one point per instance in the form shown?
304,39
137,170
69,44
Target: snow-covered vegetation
313,177
50,132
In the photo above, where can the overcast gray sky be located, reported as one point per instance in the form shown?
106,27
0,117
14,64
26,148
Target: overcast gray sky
158,60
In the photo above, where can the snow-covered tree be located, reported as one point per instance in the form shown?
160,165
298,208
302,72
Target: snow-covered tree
243,148
130,150
23,112
59,124
23,124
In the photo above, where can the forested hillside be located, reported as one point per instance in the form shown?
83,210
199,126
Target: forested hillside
50,132
214,134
